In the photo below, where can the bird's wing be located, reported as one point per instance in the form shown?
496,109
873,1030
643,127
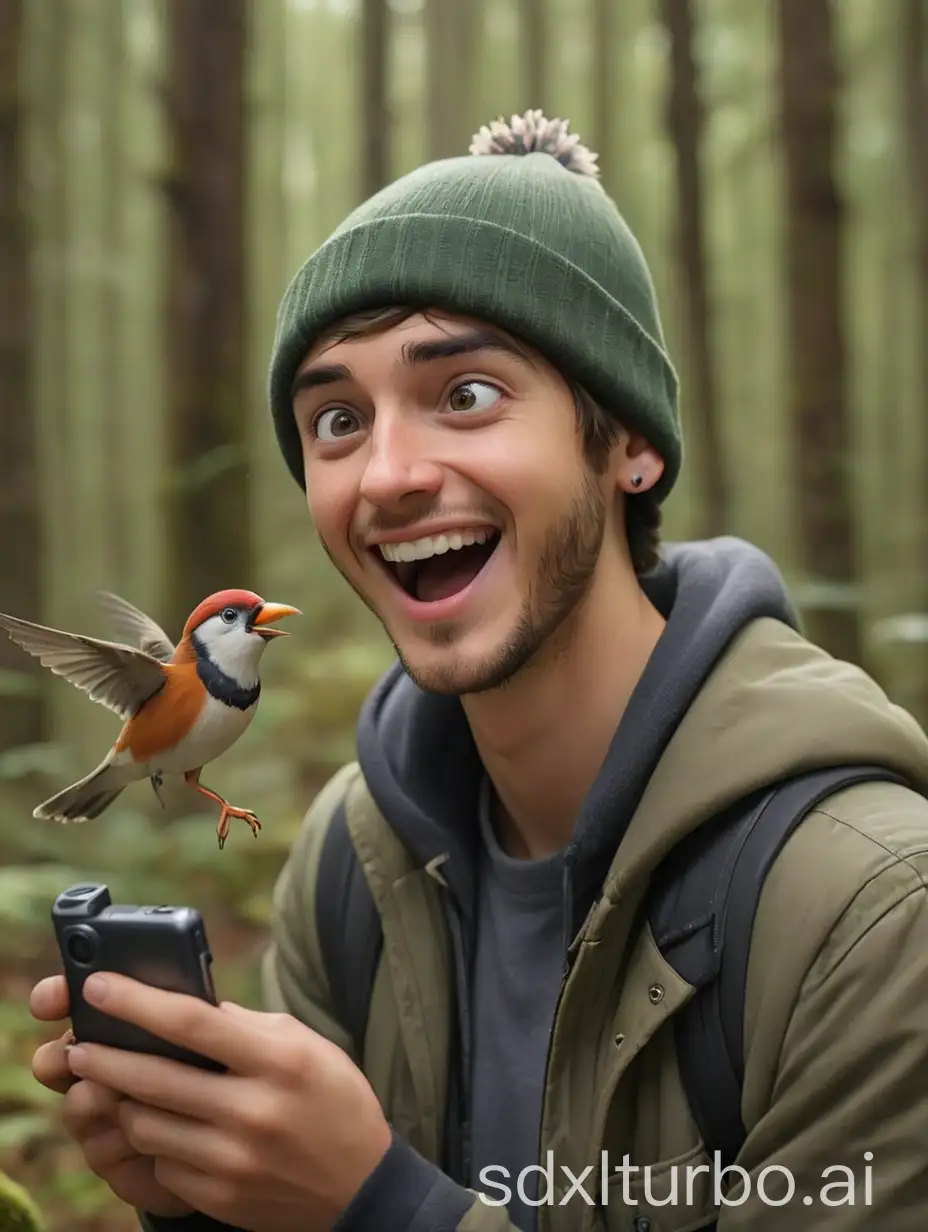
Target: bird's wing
128,620
119,677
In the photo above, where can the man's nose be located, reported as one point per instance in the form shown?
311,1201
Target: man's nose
398,465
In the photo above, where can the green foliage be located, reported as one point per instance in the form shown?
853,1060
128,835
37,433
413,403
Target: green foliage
18,1212
31,759
26,894
19,684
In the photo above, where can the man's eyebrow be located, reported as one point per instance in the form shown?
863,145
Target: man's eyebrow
462,344
419,353
313,377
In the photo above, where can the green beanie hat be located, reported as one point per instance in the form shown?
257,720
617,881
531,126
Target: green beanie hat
526,240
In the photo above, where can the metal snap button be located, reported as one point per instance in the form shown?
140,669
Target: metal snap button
656,993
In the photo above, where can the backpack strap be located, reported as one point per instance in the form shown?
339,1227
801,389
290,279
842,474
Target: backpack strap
348,928
704,900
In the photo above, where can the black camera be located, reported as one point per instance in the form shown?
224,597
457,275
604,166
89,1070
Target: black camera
163,946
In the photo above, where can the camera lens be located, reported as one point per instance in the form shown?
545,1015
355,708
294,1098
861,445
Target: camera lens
82,947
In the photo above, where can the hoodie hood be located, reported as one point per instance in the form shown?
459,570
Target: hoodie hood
731,700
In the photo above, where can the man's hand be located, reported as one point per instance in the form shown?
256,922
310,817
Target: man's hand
91,1115
279,1143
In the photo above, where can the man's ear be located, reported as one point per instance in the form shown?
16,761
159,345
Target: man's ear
637,464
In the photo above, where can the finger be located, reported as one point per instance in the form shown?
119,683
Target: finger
260,1020
154,1132
159,1081
187,1021
206,1194
242,1012
50,1065
48,1001
89,1108
107,1150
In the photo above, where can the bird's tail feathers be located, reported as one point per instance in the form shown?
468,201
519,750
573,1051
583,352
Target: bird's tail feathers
88,797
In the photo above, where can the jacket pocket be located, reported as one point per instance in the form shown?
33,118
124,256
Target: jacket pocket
672,1195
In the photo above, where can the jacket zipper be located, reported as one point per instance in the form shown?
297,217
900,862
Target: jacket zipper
566,939
462,1145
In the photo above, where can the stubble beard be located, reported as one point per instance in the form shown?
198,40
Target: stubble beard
562,579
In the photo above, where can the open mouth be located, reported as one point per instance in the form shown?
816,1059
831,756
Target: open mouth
443,565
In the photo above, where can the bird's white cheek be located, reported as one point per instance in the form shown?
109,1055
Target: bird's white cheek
238,656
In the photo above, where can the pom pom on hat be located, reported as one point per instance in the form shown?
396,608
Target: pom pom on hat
533,133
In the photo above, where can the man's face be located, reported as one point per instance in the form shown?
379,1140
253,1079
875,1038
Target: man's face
446,479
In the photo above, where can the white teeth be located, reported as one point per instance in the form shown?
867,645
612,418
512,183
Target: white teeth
433,545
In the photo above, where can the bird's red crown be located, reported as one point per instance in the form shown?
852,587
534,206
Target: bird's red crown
214,604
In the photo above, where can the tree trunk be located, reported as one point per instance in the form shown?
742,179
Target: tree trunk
604,17
450,40
22,714
915,118
116,442
686,123
914,60
814,235
375,107
209,492
533,44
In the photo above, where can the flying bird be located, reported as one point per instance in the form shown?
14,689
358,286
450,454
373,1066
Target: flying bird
182,706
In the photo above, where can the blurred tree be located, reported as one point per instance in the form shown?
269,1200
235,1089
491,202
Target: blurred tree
686,126
208,505
533,46
22,716
914,81
375,103
451,34
605,70
913,57
816,347
112,86
914,77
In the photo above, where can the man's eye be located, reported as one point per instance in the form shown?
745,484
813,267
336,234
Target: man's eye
335,424
473,396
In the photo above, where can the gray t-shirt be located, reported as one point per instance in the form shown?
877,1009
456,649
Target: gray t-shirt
518,968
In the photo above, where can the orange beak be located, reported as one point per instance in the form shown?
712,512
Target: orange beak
267,614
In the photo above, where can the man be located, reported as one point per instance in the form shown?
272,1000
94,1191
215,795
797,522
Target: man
470,381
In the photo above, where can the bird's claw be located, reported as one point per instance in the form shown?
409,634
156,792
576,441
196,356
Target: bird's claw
228,812
157,782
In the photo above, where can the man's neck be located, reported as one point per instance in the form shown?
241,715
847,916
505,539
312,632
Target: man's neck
544,736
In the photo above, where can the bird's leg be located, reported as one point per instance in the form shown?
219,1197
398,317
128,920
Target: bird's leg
157,782
228,811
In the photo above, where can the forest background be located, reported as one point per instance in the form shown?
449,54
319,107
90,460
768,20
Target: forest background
165,167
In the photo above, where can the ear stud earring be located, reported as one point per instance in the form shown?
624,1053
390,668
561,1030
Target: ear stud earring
636,481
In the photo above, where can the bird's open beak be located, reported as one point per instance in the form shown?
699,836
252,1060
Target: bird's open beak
268,614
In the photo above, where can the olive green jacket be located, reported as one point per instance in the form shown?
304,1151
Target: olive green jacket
836,1014
835,1096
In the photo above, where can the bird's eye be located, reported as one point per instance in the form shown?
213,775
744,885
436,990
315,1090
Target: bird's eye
229,615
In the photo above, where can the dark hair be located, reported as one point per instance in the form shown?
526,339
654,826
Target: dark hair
643,513
599,430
